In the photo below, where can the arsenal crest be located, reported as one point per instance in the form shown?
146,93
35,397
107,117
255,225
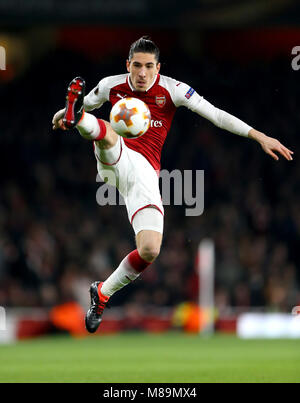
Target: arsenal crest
160,100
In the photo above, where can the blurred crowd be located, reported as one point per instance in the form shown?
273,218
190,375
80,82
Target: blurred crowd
55,239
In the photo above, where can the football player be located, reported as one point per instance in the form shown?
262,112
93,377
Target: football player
136,162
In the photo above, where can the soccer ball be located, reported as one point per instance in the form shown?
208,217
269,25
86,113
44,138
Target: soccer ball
130,118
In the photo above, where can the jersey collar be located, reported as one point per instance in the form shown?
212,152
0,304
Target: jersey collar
152,84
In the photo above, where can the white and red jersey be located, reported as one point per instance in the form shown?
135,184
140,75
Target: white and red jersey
162,97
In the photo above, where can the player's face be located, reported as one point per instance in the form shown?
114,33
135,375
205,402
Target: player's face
142,68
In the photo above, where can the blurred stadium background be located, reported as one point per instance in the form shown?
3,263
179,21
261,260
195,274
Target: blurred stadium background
54,238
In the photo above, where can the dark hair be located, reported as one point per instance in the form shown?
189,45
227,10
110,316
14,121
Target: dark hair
144,45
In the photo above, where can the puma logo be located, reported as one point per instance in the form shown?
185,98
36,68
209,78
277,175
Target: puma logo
120,96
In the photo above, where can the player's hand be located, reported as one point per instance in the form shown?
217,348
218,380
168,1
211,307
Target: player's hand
57,122
60,125
271,146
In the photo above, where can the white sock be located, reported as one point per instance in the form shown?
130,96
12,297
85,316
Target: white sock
122,276
88,126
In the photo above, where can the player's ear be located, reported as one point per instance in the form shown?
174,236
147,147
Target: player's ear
128,65
158,67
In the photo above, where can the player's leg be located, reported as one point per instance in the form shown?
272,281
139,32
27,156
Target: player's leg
138,183
148,247
148,227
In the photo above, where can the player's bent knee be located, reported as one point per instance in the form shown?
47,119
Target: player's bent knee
149,252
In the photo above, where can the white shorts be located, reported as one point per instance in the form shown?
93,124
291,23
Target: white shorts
136,180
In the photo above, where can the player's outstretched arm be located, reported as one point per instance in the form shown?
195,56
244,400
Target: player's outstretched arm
270,145
186,96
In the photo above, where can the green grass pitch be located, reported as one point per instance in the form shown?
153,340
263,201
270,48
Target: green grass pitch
141,357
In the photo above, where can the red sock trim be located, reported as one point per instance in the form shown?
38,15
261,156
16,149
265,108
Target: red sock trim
136,262
103,298
102,133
